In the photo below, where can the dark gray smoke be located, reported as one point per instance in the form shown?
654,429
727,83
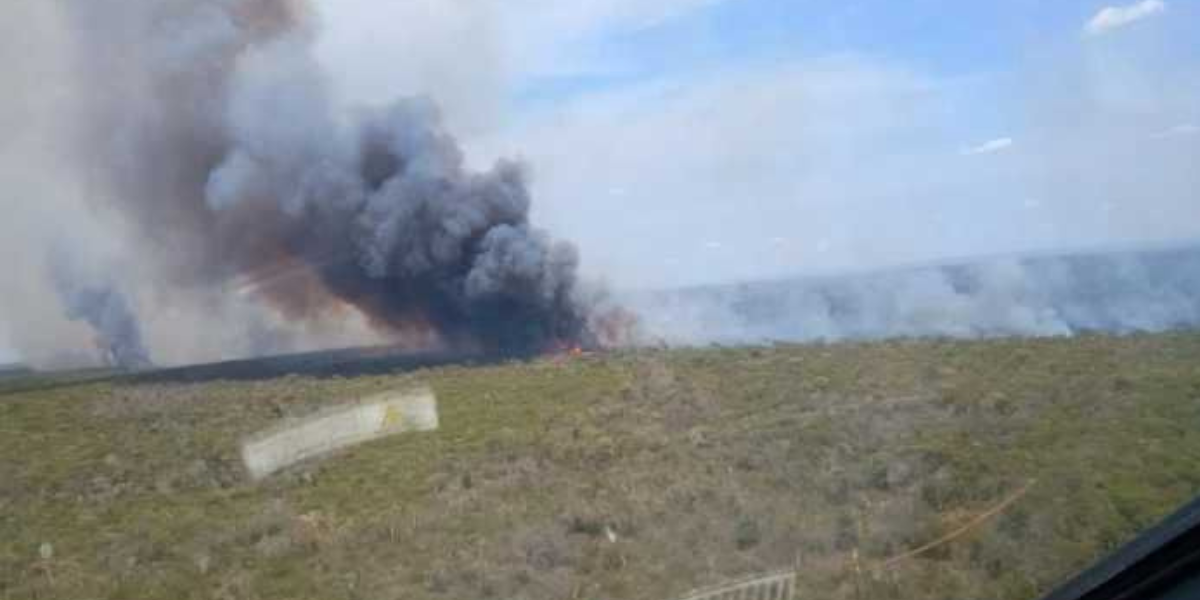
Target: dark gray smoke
103,307
210,127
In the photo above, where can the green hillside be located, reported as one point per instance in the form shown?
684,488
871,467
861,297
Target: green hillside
637,474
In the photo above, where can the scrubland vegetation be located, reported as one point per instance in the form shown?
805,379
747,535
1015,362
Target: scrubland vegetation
637,474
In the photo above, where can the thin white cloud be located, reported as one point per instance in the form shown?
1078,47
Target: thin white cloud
626,14
1114,17
377,51
989,147
1184,130
551,38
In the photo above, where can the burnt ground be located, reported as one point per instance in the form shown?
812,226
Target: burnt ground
349,362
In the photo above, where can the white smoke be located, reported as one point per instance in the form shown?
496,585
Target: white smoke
1119,293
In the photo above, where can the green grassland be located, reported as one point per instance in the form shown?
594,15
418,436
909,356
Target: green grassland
636,474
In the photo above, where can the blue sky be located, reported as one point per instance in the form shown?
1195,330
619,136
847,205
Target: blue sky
939,36
946,36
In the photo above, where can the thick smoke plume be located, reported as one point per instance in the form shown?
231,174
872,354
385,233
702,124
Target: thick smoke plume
210,128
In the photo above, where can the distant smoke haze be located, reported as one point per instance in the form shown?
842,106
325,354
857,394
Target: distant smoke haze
1116,292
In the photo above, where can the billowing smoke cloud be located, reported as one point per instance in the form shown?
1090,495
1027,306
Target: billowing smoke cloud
210,129
101,305
1121,293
